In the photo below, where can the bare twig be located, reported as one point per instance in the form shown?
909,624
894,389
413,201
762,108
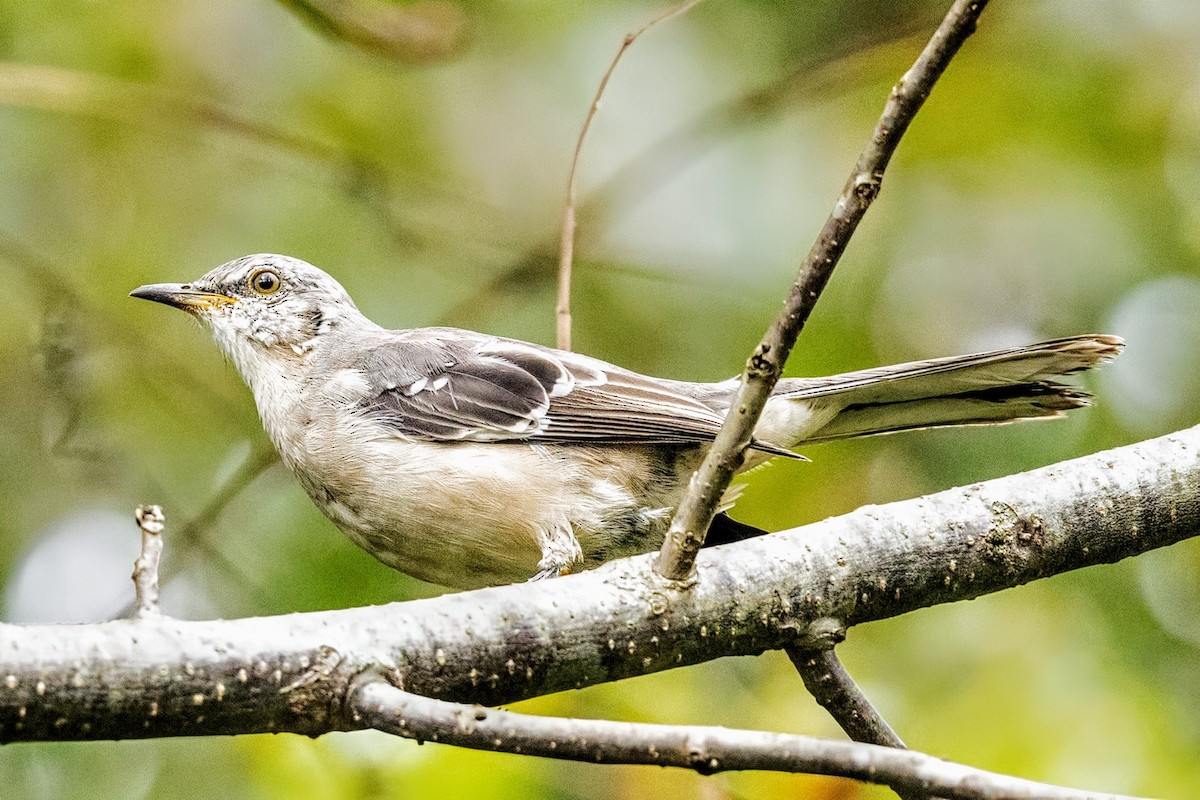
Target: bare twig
832,687
145,569
562,311
696,511
823,674
705,749
190,538
818,77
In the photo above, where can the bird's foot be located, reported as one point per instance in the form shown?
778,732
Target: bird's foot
560,553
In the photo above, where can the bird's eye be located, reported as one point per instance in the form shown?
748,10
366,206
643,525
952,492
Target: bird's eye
265,281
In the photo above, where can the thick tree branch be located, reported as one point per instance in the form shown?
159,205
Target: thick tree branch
163,677
705,749
695,513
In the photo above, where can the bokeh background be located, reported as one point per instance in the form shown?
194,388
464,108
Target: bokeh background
1051,186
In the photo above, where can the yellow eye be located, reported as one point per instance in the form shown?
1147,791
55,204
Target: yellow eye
265,281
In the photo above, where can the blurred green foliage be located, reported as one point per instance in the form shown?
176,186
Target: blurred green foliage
1051,186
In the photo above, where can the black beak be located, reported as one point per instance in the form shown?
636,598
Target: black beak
181,295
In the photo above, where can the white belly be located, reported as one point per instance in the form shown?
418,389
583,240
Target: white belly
474,514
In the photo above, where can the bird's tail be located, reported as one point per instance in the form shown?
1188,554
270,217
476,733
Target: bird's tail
979,389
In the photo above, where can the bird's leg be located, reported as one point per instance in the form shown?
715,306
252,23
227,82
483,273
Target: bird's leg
560,551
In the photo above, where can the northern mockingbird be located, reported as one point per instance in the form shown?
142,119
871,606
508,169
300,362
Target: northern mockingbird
470,460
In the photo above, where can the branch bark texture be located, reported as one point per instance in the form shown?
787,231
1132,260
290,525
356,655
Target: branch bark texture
695,513
833,688
145,570
163,677
705,749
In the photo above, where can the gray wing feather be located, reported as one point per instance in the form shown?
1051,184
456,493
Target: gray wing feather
440,384
439,391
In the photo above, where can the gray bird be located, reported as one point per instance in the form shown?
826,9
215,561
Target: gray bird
470,460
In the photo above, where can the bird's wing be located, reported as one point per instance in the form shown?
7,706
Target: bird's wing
449,385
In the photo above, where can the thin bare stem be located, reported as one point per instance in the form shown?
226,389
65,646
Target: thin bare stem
832,687
695,513
562,311
145,569
820,77
190,538
705,749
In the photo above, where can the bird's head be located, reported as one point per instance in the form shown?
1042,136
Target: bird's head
262,307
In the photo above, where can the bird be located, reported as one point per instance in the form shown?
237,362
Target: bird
471,460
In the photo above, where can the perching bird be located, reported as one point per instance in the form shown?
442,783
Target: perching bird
470,460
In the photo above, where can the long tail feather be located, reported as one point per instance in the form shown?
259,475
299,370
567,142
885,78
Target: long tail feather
982,388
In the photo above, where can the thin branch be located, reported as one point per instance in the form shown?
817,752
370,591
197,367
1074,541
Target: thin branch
705,749
190,538
145,569
821,76
832,687
493,646
562,310
699,505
